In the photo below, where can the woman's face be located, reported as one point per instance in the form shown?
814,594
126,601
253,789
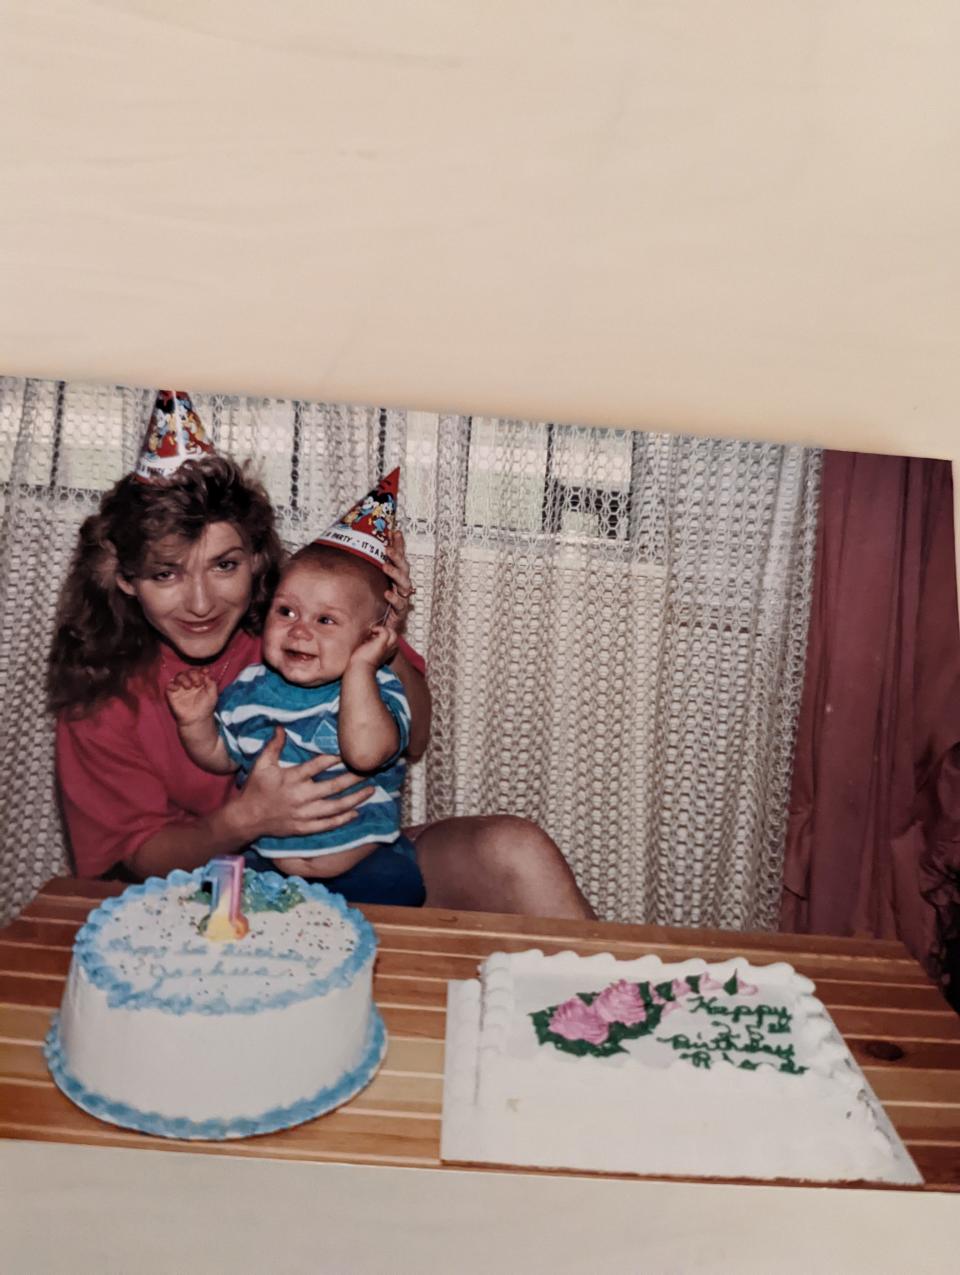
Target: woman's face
195,594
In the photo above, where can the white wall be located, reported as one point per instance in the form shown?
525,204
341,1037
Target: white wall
734,218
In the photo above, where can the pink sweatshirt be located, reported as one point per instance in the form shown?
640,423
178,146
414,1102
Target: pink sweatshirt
122,771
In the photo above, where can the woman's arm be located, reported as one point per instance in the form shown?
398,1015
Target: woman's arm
276,801
187,843
120,807
397,570
418,697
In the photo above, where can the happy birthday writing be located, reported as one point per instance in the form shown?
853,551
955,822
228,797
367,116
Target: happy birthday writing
167,964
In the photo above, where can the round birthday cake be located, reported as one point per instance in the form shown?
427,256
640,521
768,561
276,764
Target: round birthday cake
183,1019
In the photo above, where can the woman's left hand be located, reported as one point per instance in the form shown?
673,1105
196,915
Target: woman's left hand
401,590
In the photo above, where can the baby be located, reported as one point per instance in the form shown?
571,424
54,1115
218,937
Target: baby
325,643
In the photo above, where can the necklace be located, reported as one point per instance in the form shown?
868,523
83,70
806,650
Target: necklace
215,671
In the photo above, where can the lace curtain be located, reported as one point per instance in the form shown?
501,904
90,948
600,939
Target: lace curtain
614,623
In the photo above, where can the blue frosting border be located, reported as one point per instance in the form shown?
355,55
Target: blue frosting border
119,1113
121,994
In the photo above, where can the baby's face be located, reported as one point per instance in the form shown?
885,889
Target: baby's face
317,619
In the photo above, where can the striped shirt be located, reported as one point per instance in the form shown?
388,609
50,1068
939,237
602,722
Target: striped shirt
259,700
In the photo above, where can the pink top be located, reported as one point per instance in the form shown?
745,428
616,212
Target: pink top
123,773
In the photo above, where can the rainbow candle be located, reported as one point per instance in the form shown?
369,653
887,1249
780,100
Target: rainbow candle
225,922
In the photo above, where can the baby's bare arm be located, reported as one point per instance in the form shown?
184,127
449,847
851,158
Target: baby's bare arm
367,732
192,696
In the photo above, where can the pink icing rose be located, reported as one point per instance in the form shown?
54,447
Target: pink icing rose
575,1020
621,1003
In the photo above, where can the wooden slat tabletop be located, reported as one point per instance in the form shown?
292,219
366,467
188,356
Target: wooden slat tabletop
901,1031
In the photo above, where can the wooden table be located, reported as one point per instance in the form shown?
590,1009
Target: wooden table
903,1034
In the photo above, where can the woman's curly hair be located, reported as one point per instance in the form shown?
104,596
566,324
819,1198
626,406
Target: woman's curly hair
102,637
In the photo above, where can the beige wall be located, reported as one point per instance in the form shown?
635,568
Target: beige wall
734,218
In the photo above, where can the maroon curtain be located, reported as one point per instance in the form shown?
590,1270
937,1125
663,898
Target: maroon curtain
873,841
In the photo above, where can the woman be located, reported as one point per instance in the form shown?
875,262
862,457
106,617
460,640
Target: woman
177,572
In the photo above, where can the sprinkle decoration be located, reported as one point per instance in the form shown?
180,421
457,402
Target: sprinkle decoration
226,922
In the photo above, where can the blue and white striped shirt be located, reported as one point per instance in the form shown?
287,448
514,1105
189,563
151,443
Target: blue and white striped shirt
259,700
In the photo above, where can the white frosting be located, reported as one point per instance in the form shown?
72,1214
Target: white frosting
160,1020
154,944
510,1098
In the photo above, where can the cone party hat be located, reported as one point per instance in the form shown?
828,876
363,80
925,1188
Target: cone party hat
174,435
364,529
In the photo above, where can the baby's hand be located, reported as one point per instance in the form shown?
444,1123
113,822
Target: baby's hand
379,646
192,696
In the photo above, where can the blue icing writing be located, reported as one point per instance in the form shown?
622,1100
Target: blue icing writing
288,954
247,950
124,944
248,971
162,974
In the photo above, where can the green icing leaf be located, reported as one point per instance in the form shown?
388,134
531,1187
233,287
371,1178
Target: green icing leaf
258,895
541,1025
262,895
731,986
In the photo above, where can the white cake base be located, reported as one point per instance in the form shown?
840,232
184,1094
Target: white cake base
267,1121
509,1099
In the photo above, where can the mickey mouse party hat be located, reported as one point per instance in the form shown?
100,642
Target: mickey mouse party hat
174,435
364,528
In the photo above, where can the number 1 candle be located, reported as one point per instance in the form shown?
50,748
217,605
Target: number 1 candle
225,922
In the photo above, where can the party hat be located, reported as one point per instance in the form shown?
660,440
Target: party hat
364,528
174,435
